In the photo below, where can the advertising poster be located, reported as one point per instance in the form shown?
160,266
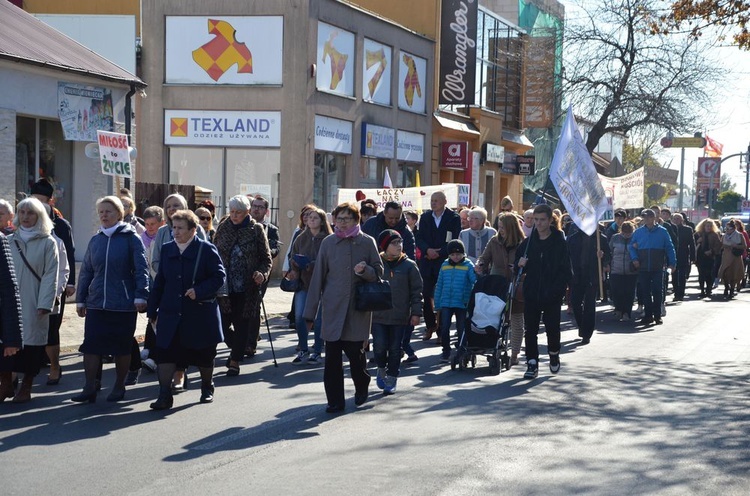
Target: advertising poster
83,110
224,50
335,61
377,66
222,128
412,83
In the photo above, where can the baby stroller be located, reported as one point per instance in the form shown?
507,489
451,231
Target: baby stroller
488,326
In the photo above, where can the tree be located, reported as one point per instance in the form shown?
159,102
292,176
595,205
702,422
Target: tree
698,16
728,201
637,155
624,78
726,184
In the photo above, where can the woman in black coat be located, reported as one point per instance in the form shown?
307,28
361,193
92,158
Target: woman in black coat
10,320
183,308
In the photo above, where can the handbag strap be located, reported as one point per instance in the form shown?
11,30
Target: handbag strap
197,259
26,262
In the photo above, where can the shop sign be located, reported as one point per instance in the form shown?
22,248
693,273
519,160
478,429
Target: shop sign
114,154
509,165
222,128
84,110
409,147
333,135
458,52
454,155
224,49
525,165
377,141
494,153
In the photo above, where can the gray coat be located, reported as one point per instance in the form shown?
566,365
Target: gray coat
333,283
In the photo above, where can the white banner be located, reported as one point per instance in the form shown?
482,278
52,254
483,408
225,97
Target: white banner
224,50
575,178
625,191
114,154
83,110
222,128
409,198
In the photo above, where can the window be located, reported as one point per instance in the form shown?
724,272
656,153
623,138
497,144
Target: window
330,174
407,175
372,172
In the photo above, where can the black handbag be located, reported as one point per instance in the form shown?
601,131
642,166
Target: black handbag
289,286
737,251
373,296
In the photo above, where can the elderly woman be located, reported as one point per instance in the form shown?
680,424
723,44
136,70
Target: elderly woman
344,260
183,308
35,258
732,268
6,217
113,288
498,259
172,204
206,221
243,247
10,320
623,276
476,237
303,254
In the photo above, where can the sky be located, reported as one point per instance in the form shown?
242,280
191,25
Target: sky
731,126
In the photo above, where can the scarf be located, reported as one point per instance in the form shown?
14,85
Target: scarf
147,239
349,233
109,231
26,233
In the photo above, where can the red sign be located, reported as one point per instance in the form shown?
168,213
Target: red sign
454,155
709,172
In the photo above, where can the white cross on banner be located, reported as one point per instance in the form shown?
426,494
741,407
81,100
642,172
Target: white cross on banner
575,178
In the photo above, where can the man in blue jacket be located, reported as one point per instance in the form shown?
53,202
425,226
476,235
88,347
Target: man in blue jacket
650,248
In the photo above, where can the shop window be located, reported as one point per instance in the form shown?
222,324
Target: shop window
372,172
202,167
407,175
330,174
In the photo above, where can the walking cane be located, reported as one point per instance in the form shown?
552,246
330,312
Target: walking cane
268,327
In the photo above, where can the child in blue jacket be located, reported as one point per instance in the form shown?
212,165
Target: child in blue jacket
452,293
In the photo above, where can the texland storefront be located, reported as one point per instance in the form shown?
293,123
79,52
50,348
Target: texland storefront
292,103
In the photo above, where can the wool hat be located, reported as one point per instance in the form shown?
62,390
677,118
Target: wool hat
42,187
385,238
456,246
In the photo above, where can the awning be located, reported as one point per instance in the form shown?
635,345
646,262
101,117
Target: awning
517,138
456,124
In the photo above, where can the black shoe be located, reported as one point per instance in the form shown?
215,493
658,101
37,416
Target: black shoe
334,408
584,341
360,398
162,403
554,363
84,397
207,394
132,378
117,394
55,382
646,321
532,369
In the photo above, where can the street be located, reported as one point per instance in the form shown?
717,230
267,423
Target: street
661,410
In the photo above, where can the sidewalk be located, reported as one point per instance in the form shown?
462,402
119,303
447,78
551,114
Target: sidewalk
277,303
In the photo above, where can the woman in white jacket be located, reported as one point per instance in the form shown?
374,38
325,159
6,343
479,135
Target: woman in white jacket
35,257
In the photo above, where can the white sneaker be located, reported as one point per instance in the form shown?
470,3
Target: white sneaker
314,358
663,310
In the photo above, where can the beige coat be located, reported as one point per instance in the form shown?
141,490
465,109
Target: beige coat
333,282
732,268
41,252
496,260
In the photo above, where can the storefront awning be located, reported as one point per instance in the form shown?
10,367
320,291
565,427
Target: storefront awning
517,138
456,124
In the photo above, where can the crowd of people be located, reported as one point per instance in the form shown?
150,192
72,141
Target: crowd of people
201,282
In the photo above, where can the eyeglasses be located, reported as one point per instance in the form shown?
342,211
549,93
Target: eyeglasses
259,207
344,220
204,218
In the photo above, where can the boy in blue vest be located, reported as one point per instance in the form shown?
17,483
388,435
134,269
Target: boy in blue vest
452,293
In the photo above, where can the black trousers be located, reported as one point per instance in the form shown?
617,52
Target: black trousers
333,374
623,291
254,329
549,313
237,339
583,301
429,271
679,280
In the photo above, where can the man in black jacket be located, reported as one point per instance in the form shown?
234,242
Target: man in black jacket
391,218
546,264
584,258
685,251
437,227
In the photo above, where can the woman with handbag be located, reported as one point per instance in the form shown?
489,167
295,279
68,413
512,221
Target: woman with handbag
246,256
732,268
35,258
183,309
708,246
346,259
498,258
302,261
112,288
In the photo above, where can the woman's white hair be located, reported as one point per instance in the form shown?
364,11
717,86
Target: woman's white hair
43,223
8,205
239,202
179,197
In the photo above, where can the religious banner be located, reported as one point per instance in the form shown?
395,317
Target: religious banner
408,198
574,176
83,110
625,191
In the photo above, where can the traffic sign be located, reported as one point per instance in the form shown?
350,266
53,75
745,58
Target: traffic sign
683,142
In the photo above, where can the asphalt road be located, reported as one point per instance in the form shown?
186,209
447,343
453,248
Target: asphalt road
659,410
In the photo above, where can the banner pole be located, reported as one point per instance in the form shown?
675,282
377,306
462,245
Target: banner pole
599,262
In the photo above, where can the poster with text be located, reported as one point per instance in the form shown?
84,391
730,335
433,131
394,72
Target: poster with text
114,154
335,61
83,110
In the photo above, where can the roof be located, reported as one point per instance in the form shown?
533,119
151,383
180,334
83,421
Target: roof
26,39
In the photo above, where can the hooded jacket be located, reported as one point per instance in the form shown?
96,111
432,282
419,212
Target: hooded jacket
375,225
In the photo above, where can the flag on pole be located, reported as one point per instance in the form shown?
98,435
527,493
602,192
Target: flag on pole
387,179
713,148
418,184
574,176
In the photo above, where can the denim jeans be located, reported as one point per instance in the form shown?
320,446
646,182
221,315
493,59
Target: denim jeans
300,297
651,284
386,345
406,342
445,326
